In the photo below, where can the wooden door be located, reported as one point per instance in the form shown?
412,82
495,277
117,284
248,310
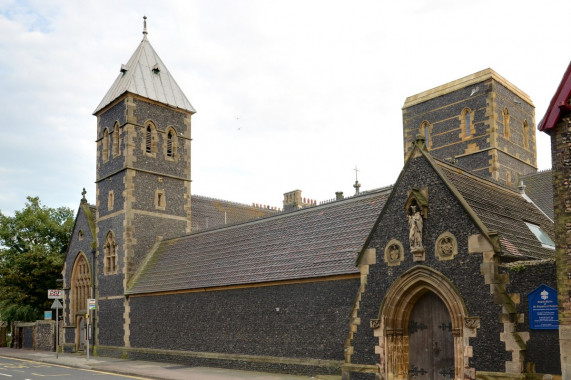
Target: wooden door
430,340
80,334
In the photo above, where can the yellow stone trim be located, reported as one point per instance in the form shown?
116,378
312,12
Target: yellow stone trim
127,324
109,298
158,215
466,81
112,215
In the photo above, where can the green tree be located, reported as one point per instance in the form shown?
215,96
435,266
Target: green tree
33,244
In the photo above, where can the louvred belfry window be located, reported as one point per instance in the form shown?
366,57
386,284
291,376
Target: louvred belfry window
148,139
170,144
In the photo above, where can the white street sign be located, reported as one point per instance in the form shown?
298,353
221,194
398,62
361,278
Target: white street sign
55,294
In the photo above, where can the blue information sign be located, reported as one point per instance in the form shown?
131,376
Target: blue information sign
543,313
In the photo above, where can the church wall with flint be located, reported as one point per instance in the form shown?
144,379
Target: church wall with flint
444,214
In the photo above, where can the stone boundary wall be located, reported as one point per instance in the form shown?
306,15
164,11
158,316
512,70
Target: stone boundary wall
39,335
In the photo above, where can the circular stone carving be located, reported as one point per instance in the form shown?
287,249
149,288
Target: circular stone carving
394,253
446,246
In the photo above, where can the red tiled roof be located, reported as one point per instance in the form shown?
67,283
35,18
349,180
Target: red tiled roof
558,103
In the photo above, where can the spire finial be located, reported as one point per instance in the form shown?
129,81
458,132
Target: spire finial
144,26
357,185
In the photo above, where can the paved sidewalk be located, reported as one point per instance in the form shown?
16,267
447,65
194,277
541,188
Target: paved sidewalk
152,370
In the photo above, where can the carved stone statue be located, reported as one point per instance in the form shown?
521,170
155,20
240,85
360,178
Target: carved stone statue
415,225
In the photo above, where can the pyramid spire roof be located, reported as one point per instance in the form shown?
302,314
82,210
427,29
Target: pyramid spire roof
146,75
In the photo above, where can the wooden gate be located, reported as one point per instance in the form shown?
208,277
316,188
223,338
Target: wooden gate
430,339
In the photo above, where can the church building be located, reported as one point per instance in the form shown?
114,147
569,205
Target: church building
433,277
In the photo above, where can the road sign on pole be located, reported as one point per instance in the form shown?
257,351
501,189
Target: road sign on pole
54,294
56,305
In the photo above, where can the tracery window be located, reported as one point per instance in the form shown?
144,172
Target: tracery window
116,140
110,254
506,116
80,285
105,149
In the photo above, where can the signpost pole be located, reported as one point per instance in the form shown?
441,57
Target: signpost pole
56,295
91,305
57,332
87,332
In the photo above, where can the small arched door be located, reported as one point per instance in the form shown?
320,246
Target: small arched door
430,340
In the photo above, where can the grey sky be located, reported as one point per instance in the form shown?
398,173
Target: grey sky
289,94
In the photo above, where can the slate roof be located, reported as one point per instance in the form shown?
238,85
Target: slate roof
503,210
146,75
314,242
539,187
207,213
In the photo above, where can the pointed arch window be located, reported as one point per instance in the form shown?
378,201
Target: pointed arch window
525,134
116,140
150,143
506,117
110,254
467,123
170,151
426,131
171,143
80,285
148,139
105,148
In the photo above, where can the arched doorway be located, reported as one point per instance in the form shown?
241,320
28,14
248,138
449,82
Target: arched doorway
422,328
80,292
430,340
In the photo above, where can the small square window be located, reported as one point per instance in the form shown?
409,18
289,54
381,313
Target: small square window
545,240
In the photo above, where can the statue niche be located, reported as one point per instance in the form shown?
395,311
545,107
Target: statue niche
416,209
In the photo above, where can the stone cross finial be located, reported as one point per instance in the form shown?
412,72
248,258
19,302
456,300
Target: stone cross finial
357,185
83,195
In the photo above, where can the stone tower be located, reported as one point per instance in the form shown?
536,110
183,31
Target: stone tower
482,122
143,177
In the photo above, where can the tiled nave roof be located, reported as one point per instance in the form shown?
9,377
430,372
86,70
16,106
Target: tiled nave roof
315,242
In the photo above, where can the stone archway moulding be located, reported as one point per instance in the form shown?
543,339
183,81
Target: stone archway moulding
391,326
